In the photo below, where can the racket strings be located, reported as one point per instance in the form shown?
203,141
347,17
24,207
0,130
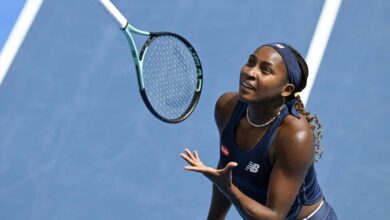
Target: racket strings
170,76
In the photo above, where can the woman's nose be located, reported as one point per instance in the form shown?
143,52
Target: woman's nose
250,73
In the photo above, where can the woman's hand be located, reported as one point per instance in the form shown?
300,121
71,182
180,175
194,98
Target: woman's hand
221,178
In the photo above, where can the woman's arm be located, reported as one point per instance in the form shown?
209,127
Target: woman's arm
220,205
292,154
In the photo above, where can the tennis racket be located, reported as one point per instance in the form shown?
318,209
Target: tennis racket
168,70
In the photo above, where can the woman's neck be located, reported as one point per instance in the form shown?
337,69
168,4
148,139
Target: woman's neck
262,112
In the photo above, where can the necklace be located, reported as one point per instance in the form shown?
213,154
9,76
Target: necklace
264,124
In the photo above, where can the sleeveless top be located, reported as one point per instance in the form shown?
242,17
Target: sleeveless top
253,172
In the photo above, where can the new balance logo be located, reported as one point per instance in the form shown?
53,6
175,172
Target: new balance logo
252,167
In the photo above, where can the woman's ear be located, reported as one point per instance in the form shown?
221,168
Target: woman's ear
288,89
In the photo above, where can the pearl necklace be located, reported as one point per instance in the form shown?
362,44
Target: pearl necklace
264,124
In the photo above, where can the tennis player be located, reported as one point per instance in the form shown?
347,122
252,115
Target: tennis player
268,143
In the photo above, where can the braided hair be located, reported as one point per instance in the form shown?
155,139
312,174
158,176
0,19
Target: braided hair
313,120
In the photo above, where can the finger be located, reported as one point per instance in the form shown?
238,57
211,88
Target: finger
197,158
190,155
196,169
230,166
196,155
187,159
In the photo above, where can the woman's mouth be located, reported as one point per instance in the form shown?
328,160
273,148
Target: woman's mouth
247,85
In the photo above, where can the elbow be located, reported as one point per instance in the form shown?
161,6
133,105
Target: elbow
251,213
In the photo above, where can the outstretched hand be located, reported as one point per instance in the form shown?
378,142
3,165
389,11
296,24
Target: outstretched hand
222,178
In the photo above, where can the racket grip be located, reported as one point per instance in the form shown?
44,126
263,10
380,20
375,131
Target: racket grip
122,21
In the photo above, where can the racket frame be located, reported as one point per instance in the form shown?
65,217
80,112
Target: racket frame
128,29
199,77
138,60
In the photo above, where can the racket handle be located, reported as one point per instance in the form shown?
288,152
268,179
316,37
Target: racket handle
122,21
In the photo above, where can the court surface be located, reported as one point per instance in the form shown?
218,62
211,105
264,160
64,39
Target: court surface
77,142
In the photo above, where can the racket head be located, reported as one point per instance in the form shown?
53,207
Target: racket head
172,76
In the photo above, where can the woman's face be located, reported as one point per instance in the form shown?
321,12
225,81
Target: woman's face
264,77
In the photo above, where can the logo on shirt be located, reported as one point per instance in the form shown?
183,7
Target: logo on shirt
225,151
252,167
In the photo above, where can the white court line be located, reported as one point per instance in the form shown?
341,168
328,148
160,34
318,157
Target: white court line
319,42
17,35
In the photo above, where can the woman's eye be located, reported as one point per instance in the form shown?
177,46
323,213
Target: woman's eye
266,69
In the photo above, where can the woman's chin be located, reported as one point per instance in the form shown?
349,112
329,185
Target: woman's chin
245,96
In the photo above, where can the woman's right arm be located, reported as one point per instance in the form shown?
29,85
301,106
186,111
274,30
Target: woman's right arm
224,107
220,205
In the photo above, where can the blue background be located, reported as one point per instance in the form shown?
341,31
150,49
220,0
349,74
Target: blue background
9,12
77,142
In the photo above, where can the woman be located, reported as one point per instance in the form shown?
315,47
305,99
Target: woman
268,143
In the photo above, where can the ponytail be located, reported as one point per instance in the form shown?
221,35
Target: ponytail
313,121
315,126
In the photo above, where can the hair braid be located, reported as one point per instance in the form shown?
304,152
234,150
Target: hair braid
315,126
313,120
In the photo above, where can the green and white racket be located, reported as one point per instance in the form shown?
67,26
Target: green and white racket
168,69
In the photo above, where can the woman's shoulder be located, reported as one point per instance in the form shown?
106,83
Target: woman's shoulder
295,139
224,108
293,124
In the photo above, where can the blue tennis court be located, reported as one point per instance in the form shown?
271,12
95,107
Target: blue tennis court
77,142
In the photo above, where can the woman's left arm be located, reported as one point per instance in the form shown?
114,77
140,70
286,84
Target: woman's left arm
292,155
